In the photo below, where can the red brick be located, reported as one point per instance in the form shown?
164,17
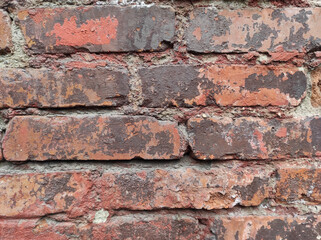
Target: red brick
297,183
264,30
156,227
223,85
222,187
267,227
30,195
316,87
91,137
49,88
98,28
5,32
254,138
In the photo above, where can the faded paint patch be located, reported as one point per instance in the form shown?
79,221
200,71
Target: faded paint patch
94,31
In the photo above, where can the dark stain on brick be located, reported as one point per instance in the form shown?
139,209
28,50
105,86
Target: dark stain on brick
248,192
289,230
295,84
135,189
57,185
43,88
217,229
315,126
160,90
216,145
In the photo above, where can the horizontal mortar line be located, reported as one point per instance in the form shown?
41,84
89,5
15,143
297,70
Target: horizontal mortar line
149,165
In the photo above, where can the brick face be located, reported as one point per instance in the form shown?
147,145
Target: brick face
126,227
98,29
5,32
254,138
30,195
185,188
91,138
267,227
49,88
289,29
299,184
223,85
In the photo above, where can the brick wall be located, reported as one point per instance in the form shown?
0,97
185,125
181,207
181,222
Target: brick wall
160,119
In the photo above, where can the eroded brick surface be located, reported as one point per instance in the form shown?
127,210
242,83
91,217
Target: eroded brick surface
316,87
50,88
156,227
267,227
264,30
98,28
223,85
185,188
91,137
299,184
5,32
30,195
254,138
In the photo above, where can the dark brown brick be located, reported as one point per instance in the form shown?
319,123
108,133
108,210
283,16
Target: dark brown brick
185,188
264,30
5,32
91,137
158,227
39,194
254,138
223,85
98,28
267,227
48,88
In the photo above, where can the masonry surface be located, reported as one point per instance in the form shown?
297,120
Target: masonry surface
160,119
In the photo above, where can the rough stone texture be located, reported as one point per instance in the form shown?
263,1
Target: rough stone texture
267,227
50,88
223,85
316,88
157,227
91,137
185,188
30,195
5,32
289,29
299,184
254,138
98,28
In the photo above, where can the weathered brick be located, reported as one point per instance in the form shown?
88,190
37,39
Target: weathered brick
223,85
5,32
91,137
30,195
156,227
153,227
98,28
264,30
267,227
49,88
254,138
297,183
316,87
193,188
